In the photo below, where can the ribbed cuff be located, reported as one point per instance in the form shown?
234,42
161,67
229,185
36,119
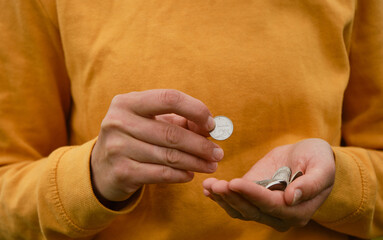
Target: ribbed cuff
80,207
347,197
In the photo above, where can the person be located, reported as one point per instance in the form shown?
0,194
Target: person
106,109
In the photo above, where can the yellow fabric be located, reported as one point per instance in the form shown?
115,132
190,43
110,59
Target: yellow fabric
281,70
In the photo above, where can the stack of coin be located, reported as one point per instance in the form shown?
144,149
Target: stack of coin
282,177
280,180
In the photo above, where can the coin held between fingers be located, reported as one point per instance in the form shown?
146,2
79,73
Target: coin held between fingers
223,128
210,123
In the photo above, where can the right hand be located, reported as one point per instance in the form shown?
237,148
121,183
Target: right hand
154,136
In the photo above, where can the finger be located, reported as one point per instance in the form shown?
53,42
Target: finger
173,119
207,183
148,153
197,129
182,122
237,206
207,194
228,209
270,202
160,101
247,210
172,136
306,187
208,191
250,212
147,173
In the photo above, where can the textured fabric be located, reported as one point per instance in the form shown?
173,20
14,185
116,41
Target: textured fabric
282,70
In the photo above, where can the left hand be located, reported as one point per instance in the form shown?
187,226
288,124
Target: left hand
244,199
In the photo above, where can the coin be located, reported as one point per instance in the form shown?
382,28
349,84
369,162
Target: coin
282,174
282,177
272,184
264,182
277,185
223,128
296,175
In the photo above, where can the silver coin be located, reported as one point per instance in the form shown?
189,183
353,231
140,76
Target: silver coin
264,182
277,185
282,174
223,128
272,184
296,175
280,180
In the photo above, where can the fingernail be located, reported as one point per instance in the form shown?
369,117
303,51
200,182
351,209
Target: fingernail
218,154
297,196
212,166
210,123
206,192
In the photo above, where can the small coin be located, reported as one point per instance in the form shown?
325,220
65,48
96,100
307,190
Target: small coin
277,185
282,174
264,182
280,180
272,184
223,128
296,175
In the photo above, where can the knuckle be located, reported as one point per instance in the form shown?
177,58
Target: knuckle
207,146
120,174
172,156
170,175
186,178
125,99
118,119
166,174
171,135
118,99
111,121
204,167
123,175
125,171
170,97
113,148
202,110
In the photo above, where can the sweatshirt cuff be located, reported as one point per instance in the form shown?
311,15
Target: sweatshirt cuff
80,207
349,192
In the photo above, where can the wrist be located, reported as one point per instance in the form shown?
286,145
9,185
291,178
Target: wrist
110,204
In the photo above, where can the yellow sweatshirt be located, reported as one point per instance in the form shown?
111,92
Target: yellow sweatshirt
282,70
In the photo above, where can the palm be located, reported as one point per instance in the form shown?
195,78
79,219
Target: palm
305,156
244,199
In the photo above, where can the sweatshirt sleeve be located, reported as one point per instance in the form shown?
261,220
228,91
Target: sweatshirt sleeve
355,206
45,185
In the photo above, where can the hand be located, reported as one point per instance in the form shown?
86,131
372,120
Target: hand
244,199
155,136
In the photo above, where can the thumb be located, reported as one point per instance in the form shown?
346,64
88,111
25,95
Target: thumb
306,187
